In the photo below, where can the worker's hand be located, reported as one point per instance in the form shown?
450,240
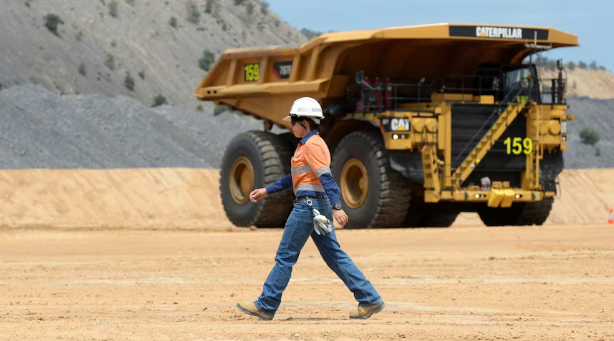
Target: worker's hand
258,194
340,217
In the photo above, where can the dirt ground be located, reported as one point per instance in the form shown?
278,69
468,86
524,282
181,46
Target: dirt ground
148,254
462,283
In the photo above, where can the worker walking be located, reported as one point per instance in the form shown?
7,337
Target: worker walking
315,190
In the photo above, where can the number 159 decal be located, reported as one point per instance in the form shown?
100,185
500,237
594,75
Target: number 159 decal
252,72
518,145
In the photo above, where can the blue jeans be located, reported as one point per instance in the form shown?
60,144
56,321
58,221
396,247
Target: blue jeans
299,227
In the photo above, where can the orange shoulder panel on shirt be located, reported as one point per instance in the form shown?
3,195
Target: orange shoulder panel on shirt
317,154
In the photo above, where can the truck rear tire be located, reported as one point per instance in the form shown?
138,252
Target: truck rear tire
528,214
372,193
437,216
255,159
415,218
536,213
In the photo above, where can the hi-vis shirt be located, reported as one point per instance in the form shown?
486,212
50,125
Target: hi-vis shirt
310,171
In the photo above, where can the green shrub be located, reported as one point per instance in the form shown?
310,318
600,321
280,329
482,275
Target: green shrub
310,33
158,101
173,22
82,70
193,12
113,9
597,151
571,66
589,136
239,2
593,65
52,21
264,7
131,2
142,75
582,65
129,81
79,36
250,8
540,60
200,108
213,7
220,109
109,62
206,60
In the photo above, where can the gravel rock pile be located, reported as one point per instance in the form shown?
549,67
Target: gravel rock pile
597,115
40,129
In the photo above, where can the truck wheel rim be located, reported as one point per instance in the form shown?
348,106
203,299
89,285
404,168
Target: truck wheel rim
354,183
241,180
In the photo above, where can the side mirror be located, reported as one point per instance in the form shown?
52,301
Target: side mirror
559,64
360,77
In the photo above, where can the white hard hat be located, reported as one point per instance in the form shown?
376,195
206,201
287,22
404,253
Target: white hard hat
306,107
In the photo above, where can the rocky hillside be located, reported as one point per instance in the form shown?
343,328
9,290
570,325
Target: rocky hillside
598,84
136,48
96,132
144,48
97,59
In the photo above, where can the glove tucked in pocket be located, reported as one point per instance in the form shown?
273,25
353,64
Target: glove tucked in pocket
321,224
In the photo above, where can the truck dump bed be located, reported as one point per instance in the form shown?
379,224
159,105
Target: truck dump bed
264,82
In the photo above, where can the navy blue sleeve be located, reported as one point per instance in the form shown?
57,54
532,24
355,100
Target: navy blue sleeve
331,188
279,185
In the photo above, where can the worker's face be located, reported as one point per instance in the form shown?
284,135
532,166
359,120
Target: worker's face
298,130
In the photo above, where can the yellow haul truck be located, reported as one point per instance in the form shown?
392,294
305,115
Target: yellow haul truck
423,123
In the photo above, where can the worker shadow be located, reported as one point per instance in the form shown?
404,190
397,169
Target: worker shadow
312,319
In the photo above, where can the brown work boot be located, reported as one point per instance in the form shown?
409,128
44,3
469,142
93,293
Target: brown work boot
251,309
363,313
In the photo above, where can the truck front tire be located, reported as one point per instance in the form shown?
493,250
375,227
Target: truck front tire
372,193
254,160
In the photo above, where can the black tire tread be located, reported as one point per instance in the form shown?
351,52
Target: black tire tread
535,213
395,194
437,220
274,209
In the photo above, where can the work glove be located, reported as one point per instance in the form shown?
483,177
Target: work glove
321,224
